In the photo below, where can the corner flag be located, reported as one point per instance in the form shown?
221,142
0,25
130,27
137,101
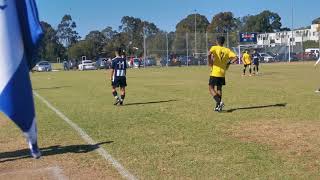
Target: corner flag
20,33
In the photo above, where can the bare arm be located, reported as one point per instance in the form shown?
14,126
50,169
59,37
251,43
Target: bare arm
210,59
233,60
111,74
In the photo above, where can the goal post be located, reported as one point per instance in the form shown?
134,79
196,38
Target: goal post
245,46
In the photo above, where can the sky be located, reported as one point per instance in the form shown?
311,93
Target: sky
98,14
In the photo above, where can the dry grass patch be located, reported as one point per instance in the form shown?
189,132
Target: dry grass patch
293,138
3,121
296,141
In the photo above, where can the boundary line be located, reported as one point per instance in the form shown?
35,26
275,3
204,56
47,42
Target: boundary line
101,151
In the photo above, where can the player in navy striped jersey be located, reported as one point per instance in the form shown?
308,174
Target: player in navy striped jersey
118,76
256,61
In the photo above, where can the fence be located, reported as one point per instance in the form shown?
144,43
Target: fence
189,49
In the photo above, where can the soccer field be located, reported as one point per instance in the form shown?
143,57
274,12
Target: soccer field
168,130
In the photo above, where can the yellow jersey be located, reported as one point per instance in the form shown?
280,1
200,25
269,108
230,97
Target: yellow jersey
222,55
246,58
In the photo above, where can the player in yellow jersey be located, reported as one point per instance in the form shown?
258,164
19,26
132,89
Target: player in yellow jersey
219,59
246,59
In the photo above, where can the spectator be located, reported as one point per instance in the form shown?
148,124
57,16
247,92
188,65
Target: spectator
65,65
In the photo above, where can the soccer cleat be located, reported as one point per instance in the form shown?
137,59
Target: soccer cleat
121,103
220,107
317,91
117,101
35,152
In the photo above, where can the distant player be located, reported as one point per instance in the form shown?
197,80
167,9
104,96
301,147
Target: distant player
315,65
118,76
255,59
219,59
246,59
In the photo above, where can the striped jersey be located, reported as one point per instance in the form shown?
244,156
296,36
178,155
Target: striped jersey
120,67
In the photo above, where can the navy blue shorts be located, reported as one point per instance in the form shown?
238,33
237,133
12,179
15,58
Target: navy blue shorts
119,82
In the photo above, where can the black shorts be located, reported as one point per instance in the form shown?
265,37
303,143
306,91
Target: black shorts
256,62
217,81
119,82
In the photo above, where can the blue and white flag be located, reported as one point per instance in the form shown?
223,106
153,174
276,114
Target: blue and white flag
20,33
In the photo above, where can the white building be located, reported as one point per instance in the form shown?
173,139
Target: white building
296,36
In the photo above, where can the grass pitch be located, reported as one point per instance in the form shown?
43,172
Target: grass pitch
168,130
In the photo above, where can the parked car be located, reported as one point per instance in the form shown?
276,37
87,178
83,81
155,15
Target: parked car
101,63
285,57
87,65
314,51
150,62
137,63
266,58
43,66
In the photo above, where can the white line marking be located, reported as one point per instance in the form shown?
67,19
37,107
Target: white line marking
55,171
123,172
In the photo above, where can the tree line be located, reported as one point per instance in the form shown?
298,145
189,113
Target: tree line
64,41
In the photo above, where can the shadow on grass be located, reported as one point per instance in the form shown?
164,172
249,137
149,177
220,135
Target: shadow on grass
150,102
52,88
49,151
256,107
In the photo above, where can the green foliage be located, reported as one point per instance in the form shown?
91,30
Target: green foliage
186,29
133,32
316,21
66,31
266,21
50,47
310,44
188,24
82,48
64,42
222,23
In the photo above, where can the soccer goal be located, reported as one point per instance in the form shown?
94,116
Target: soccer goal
243,47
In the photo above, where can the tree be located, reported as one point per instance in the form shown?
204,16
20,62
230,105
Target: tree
266,21
109,33
188,25
316,21
310,44
222,23
50,48
133,31
285,29
97,40
66,31
82,48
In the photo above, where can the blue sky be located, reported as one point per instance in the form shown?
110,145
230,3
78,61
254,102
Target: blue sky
98,14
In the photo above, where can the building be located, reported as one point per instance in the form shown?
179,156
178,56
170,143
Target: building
297,36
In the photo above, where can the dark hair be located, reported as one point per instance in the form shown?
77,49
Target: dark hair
120,51
221,40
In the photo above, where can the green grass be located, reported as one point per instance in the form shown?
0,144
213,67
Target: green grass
183,138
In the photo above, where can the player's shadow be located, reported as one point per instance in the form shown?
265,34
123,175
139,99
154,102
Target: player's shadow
49,151
256,107
150,102
52,88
